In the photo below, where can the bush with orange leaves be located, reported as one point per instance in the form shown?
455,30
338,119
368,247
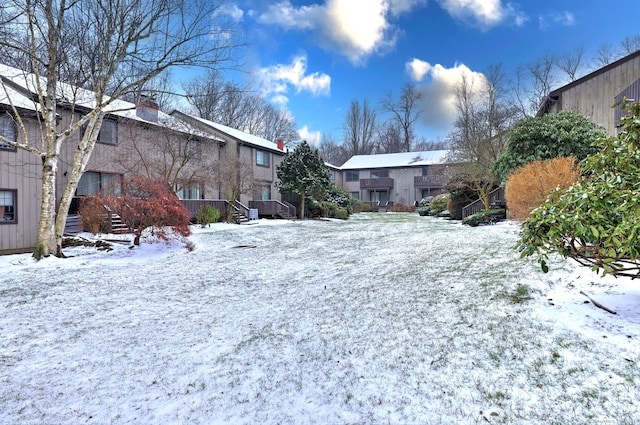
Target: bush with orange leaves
528,186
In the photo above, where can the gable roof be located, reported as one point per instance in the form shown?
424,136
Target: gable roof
20,86
238,135
396,160
554,95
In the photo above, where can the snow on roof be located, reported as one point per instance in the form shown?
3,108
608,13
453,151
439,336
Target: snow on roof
81,97
240,135
396,160
7,91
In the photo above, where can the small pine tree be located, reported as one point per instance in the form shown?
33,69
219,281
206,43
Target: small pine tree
303,173
207,214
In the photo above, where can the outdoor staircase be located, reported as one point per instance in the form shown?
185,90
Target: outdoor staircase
239,218
118,226
73,225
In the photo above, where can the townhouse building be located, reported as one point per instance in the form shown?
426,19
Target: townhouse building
396,178
134,139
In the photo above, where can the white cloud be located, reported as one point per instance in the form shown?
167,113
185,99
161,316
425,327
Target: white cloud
484,14
231,10
417,69
312,137
566,19
398,7
276,81
438,104
355,29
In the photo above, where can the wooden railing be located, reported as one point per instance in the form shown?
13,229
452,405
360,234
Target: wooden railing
193,205
430,181
379,183
496,200
273,208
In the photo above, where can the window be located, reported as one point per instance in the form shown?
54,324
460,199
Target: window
8,206
352,176
332,175
355,195
108,133
265,195
93,182
8,131
379,174
193,149
262,158
190,190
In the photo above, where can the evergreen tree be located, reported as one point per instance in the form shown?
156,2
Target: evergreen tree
303,173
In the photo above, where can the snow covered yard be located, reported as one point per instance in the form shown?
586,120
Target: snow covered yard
382,319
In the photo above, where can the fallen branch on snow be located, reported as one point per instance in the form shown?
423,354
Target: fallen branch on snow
597,304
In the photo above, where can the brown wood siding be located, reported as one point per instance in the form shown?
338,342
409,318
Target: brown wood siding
595,97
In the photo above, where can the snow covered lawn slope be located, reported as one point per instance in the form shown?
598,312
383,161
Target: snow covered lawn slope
384,318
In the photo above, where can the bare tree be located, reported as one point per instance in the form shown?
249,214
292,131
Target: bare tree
111,48
277,123
229,104
479,136
215,99
542,79
630,44
430,145
391,138
404,113
604,55
180,159
571,62
331,151
360,127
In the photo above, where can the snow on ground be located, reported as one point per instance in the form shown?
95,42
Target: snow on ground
384,318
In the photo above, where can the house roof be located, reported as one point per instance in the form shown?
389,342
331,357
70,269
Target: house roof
396,160
239,135
555,94
21,88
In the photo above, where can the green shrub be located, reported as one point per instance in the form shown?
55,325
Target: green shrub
485,217
423,211
439,204
341,198
424,202
327,209
207,214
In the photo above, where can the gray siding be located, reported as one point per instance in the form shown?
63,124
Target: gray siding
20,171
595,94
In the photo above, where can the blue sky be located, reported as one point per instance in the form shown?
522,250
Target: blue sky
315,57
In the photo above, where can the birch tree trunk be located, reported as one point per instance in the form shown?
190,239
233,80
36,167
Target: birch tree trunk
80,160
46,232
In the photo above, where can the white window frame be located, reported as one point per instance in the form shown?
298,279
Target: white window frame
263,159
8,206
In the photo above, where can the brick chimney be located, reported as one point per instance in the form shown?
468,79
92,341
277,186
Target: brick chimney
147,108
280,144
